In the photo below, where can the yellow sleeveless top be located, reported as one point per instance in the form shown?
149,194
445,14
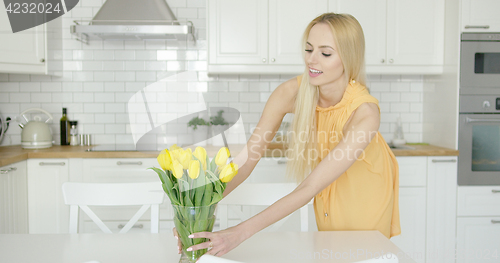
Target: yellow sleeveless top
366,196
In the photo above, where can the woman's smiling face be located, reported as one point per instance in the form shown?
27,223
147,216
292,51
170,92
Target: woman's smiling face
322,57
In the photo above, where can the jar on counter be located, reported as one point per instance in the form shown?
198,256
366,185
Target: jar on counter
73,133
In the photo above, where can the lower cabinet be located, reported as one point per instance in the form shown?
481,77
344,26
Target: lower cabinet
13,199
478,224
47,212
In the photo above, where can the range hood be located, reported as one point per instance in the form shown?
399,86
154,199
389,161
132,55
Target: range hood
133,20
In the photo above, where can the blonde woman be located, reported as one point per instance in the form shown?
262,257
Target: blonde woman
336,151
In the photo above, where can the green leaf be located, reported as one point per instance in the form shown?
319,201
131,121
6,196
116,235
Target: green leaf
161,174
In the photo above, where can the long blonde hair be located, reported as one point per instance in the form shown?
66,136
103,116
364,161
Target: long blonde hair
349,39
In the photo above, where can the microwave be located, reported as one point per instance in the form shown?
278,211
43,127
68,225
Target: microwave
480,63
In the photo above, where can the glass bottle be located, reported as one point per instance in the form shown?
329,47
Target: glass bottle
64,122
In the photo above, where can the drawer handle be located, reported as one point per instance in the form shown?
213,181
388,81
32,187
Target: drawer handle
46,163
495,191
8,171
444,161
469,26
129,163
495,221
282,162
120,226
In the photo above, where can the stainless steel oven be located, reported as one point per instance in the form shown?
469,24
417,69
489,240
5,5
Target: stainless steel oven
479,140
480,63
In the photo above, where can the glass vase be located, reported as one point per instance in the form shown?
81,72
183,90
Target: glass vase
193,219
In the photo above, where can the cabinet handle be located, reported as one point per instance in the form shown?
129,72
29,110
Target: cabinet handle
495,191
444,161
495,221
42,60
391,60
129,163
120,226
7,171
281,162
484,27
382,61
46,163
273,60
264,60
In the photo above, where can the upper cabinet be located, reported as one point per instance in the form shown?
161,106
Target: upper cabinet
401,36
259,37
480,16
26,51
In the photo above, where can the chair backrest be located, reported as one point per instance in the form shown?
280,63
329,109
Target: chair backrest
259,194
81,195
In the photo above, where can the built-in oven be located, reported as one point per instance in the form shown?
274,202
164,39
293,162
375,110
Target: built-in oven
479,140
479,115
480,63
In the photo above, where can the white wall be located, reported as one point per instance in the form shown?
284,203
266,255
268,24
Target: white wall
98,80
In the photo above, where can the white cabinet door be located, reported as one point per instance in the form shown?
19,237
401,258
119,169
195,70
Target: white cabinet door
13,199
441,207
415,32
237,31
21,52
413,221
46,209
478,239
372,16
480,16
287,23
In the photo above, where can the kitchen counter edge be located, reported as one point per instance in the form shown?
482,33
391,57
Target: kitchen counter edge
14,154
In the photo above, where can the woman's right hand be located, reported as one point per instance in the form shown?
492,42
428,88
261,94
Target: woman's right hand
179,244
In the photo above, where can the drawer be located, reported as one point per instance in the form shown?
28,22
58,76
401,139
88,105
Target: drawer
477,239
478,201
412,171
119,170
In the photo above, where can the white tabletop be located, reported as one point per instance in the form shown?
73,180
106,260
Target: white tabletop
304,247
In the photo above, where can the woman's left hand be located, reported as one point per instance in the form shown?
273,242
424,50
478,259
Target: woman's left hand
221,242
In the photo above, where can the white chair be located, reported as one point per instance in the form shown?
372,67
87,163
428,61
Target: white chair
82,195
259,194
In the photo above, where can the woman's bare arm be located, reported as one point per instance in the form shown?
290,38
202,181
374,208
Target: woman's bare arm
279,103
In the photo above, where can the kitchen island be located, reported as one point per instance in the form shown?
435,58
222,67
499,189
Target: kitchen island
263,247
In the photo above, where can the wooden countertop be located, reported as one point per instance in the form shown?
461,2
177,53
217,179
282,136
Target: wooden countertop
13,154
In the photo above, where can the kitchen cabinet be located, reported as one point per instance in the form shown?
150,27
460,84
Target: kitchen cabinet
46,209
27,52
480,16
258,37
478,224
401,37
13,199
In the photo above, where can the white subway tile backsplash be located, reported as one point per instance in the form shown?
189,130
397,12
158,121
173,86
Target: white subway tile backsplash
81,12
20,97
103,76
264,96
156,65
228,97
92,3
104,54
400,86
166,55
390,97
93,87
113,44
29,86
19,77
416,107
176,65
218,87
198,87
257,107
125,76
134,44
411,117
114,86
417,87
114,128
9,108
400,107
146,54
187,12
238,86
83,76
155,44
83,97
114,107
104,97
211,96
4,77
62,97
134,65
41,97
176,3
124,55
113,65
145,76
83,55
411,97
122,118
25,106
249,96
9,86
93,129
93,107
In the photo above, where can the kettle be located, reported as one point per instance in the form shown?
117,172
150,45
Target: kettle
36,134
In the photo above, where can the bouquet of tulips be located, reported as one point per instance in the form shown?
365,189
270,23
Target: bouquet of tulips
194,185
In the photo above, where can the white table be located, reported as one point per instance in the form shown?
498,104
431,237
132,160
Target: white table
303,247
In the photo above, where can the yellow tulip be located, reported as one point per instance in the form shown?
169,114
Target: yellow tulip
201,154
194,169
174,147
185,157
165,160
222,156
228,172
177,169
